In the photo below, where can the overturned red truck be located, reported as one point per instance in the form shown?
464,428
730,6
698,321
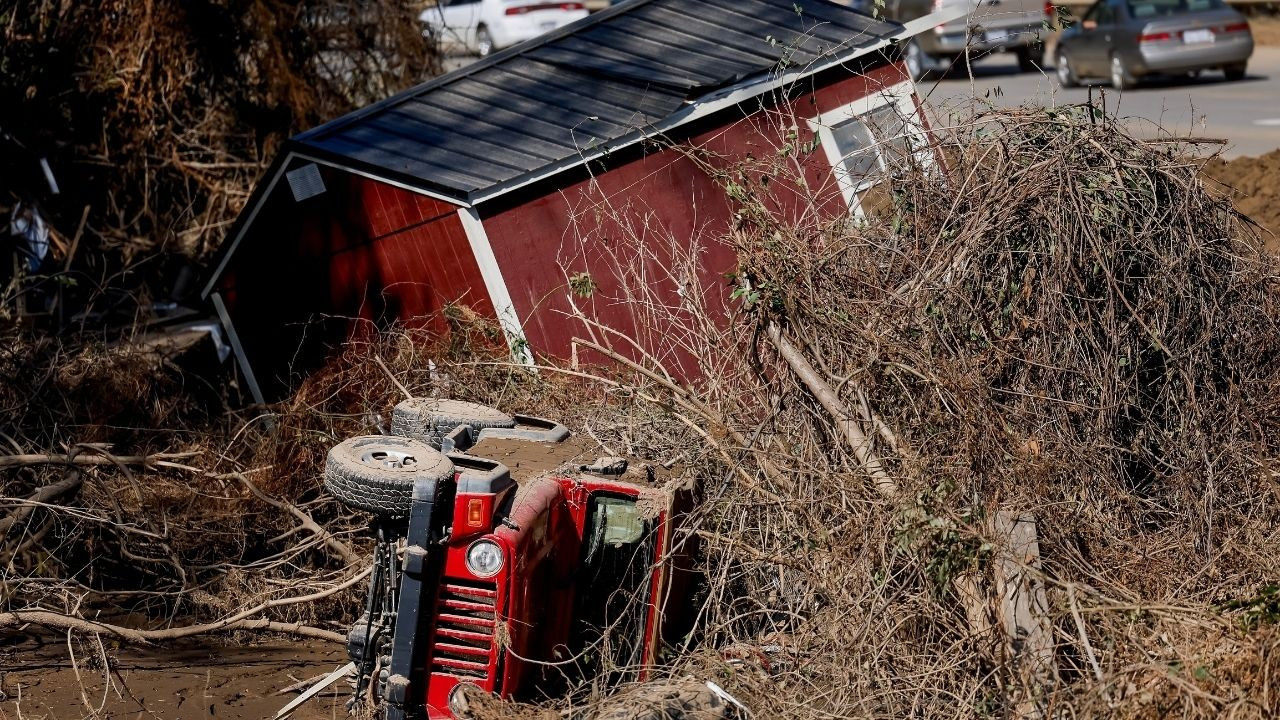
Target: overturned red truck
505,561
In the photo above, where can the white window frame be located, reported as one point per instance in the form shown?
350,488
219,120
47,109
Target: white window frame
902,96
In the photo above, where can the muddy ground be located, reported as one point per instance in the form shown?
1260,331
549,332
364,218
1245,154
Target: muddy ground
200,679
1254,184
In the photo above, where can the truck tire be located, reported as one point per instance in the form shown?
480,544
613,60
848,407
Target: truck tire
430,419
484,42
375,473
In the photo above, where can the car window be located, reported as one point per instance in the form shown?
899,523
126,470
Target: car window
1158,8
1106,15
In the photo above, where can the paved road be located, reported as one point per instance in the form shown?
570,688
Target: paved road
1246,113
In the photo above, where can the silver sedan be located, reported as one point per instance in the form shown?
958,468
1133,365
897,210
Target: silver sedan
1127,40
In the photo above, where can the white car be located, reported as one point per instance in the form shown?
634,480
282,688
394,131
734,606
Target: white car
483,26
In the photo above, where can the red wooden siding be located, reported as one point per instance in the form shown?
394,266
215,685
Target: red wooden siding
662,198
361,251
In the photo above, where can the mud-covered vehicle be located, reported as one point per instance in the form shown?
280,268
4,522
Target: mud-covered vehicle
509,560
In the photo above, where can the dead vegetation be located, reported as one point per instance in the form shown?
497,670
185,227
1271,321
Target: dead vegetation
155,118
1066,326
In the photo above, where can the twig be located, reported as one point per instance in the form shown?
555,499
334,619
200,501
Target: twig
378,359
348,555
1084,638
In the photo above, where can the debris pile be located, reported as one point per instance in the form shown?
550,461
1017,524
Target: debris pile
1010,445
1007,447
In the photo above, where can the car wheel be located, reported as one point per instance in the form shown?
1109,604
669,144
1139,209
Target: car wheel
1066,74
1120,77
430,419
1030,59
376,473
917,61
1234,72
484,42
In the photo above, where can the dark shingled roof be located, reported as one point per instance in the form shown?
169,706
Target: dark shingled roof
547,101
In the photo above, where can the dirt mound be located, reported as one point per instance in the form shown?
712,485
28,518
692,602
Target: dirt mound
1266,29
1254,184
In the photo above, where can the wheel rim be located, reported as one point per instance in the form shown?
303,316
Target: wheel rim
913,60
1117,73
1064,70
391,459
484,43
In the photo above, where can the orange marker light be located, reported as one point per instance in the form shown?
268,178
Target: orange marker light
475,512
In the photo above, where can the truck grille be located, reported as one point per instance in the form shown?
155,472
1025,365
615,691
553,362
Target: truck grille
464,634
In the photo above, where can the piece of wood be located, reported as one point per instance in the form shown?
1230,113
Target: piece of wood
314,690
846,422
242,620
72,481
78,459
1023,610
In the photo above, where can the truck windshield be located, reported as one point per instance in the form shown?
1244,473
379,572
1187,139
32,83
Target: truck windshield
614,585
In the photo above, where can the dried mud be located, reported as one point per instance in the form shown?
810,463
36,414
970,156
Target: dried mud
528,460
178,682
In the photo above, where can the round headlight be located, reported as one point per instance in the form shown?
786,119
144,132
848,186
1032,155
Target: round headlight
484,558
458,701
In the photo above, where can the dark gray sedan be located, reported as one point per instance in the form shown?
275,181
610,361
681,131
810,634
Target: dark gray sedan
1127,40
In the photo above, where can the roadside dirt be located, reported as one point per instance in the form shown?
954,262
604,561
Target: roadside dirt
1266,29
195,680
1254,185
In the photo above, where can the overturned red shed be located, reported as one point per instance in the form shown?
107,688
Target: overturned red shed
495,185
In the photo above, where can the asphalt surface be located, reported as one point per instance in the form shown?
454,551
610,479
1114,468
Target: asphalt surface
1245,113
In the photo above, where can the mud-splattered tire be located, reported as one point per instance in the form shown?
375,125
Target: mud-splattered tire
376,473
430,419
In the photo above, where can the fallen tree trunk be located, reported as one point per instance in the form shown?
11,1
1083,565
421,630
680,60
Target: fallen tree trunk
99,458
49,619
242,620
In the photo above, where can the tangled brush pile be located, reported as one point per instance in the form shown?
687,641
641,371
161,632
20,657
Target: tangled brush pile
1066,326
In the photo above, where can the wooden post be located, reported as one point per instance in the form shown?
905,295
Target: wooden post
1023,610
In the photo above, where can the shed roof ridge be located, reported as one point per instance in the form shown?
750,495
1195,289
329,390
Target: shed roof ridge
463,73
